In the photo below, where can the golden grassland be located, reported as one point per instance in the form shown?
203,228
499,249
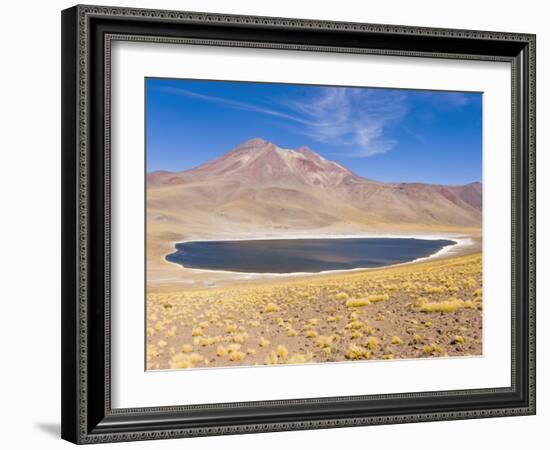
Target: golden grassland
427,309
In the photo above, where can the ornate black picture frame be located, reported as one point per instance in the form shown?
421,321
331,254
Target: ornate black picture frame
87,34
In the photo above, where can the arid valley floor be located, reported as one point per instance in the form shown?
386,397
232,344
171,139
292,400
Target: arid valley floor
425,309
197,318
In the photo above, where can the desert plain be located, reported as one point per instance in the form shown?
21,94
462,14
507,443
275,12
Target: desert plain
199,319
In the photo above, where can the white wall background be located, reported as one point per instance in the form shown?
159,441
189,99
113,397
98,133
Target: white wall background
30,222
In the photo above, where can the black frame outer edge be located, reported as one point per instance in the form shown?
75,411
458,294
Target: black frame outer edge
69,288
105,424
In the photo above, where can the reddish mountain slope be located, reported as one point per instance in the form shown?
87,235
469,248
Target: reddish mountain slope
258,186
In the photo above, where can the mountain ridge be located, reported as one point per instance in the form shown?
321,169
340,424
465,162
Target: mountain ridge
255,144
258,186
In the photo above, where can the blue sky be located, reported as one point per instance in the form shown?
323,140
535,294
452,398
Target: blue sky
384,134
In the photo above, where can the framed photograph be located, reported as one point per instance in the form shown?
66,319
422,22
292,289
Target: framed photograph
280,224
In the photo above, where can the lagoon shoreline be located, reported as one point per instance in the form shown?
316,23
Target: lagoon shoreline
175,276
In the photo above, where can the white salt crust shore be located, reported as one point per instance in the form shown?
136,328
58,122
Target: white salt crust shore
460,243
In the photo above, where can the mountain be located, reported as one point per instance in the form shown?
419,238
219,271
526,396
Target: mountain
258,161
259,187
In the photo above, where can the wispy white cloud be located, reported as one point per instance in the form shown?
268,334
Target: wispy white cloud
234,104
354,119
457,99
446,100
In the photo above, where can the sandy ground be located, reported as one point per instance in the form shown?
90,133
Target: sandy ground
430,308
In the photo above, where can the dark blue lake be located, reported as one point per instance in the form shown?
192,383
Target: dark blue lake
302,255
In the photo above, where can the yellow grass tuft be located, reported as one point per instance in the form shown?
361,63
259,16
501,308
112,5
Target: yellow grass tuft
357,302
239,338
183,361
357,352
231,328
458,340
375,298
171,332
324,341
311,333
233,347
446,306
434,289
197,332
420,301
396,340
237,356
179,361
271,307
341,296
371,343
204,341
469,304
282,351
263,342
299,358
271,358
355,334
195,358
187,348
433,349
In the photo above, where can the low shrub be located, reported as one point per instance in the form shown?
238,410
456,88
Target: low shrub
357,302
446,306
